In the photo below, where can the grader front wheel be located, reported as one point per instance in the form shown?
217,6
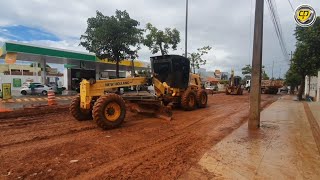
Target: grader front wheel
77,112
109,111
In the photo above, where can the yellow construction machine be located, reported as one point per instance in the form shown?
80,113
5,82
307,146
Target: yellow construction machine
173,85
234,85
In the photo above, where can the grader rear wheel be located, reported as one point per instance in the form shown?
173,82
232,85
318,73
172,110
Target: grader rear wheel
202,98
188,100
109,111
77,112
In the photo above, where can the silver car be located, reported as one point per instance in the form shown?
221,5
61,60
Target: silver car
39,89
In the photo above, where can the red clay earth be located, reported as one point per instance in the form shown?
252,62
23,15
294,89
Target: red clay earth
55,146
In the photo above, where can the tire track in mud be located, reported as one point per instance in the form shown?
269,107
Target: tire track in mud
167,142
27,128
31,120
42,138
115,169
159,148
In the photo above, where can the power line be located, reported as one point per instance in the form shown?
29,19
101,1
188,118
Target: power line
277,25
291,5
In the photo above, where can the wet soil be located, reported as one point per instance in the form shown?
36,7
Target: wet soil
55,146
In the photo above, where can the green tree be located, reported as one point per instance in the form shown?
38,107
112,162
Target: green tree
158,40
114,37
265,75
306,58
303,63
196,58
247,70
293,79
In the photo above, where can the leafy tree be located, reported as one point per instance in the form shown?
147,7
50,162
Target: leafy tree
247,70
293,79
144,73
265,75
196,58
158,40
114,37
306,57
303,63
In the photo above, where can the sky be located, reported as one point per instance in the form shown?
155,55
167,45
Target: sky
225,25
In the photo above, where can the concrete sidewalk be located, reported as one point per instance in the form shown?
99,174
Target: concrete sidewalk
315,108
284,148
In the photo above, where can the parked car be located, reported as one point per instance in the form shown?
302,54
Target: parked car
27,84
284,89
39,89
212,88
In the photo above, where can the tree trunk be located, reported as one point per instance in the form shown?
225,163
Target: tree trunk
301,89
161,49
292,89
309,77
193,67
117,68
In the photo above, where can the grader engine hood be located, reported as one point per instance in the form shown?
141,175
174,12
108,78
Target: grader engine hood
172,69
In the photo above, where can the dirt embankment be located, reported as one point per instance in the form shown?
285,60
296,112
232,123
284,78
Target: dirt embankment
56,146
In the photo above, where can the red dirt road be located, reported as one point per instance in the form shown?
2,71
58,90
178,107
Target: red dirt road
55,146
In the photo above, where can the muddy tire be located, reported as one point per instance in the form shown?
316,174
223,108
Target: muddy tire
227,91
77,113
202,98
109,111
189,100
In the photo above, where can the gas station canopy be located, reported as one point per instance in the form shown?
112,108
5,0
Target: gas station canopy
12,51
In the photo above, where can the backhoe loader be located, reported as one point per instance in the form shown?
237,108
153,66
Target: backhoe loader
234,85
173,84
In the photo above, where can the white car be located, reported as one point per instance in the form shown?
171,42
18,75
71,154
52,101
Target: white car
39,89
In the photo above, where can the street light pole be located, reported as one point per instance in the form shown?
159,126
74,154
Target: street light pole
186,32
255,96
272,69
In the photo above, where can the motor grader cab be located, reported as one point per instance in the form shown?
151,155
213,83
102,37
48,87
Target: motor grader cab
234,85
173,84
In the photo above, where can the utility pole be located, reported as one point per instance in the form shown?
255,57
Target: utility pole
255,96
272,68
186,31
280,73
290,57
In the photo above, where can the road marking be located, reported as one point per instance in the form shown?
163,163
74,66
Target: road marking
33,99
25,99
313,125
18,100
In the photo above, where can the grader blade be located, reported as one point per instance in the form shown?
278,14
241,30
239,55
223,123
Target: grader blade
153,108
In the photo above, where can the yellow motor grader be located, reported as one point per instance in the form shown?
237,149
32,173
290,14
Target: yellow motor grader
234,85
173,84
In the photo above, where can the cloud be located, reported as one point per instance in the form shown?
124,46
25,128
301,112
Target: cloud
226,25
25,33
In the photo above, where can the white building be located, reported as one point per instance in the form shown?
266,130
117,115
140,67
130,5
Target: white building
312,88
